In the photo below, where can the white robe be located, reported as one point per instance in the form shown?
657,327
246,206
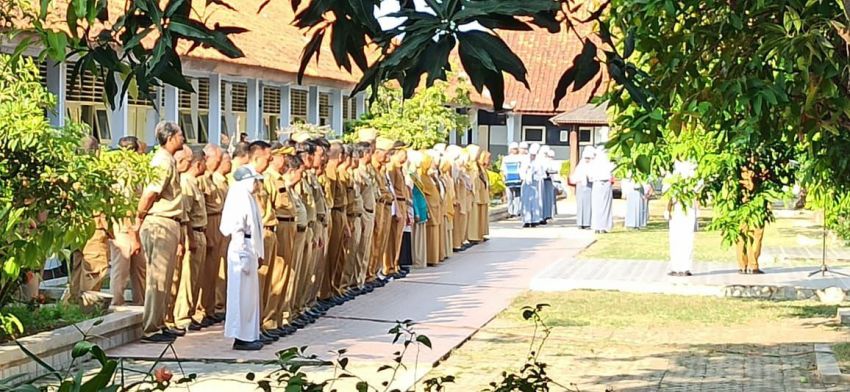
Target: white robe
532,174
240,217
682,225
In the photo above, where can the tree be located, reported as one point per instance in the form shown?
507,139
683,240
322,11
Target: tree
761,85
49,189
421,121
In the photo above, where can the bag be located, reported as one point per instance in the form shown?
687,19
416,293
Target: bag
512,174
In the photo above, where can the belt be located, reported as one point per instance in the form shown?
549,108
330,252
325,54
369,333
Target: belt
400,199
214,214
338,209
272,229
354,215
199,229
387,203
247,236
174,218
302,229
285,219
369,211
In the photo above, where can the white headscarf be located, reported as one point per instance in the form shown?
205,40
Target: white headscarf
535,148
602,168
582,170
241,214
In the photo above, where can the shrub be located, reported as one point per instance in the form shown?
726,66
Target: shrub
497,184
565,169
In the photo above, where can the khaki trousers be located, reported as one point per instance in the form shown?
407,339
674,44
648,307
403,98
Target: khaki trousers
124,267
449,236
210,269
281,270
221,279
484,212
379,241
160,237
188,286
350,267
473,230
311,278
296,285
461,221
432,243
335,257
394,243
749,249
89,269
264,272
364,250
420,247
441,238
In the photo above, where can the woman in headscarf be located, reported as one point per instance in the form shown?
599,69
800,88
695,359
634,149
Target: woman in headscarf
683,221
434,172
474,232
548,190
420,211
532,187
461,217
633,193
432,196
484,198
241,221
584,187
601,173
449,204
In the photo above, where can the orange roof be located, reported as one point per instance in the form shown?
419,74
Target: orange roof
546,56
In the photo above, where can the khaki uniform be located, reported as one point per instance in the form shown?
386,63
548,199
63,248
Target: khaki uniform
365,178
383,218
213,186
265,200
335,191
462,213
354,210
222,185
477,223
449,211
431,191
296,285
281,269
89,266
312,277
160,235
748,246
399,220
124,266
188,284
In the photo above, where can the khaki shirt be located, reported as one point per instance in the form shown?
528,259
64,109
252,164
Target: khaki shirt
449,205
355,200
300,210
167,186
385,196
283,207
335,189
215,191
319,195
196,208
365,176
265,200
305,191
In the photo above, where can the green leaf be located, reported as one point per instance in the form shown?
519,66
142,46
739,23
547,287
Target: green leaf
643,163
424,340
362,386
81,348
45,4
79,7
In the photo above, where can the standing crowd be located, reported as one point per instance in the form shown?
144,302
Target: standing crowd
532,181
269,236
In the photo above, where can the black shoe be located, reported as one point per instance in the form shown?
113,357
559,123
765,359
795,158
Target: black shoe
742,271
672,273
207,322
265,340
368,289
218,317
271,333
174,332
313,314
158,338
686,273
543,223
338,300
298,324
247,346
395,276
757,272
282,331
195,326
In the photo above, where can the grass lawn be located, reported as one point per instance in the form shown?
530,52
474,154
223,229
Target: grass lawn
45,317
639,341
842,354
652,243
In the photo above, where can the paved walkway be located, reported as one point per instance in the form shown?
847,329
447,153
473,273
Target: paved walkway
449,303
651,277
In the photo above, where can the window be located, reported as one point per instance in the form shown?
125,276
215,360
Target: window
564,136
585,135
187,126
104,133
203,122
533,134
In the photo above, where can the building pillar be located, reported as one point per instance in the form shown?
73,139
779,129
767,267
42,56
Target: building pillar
336,112
453,136
359,105
57,85
229,119
313,105
514,127
575,154
214,102
255,112
172,103
285,109
118,116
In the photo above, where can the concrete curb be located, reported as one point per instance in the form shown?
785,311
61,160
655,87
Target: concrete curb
827,366
54,347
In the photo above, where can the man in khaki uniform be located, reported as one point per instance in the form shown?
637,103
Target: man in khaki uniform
295,230
89,267
221,183
183,158
213,186
748,246
125,266
305,296
188,293
383,211
365,179
159,216
354,212
280,265
318,179
339,230
399,210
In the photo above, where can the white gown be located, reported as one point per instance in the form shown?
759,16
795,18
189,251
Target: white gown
240,218
682,225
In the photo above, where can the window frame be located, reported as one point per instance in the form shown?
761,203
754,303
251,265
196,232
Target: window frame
541,128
